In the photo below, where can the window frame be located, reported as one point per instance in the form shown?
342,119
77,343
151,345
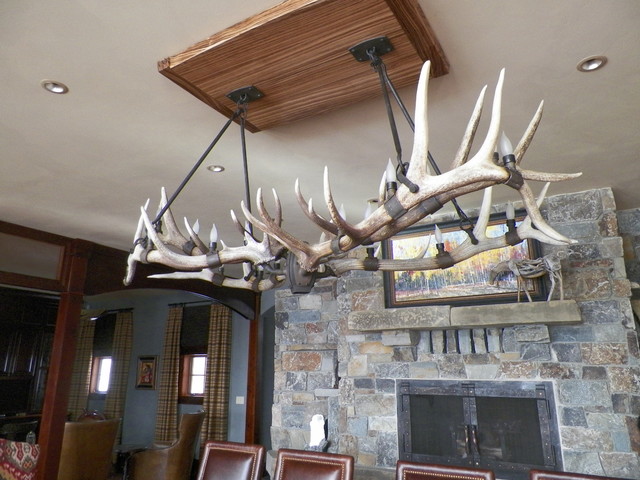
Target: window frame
95,374
184,395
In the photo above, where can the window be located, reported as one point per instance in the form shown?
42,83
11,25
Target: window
100,374
194,369
193,353
102,354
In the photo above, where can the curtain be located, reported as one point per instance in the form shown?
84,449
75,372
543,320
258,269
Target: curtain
121,360
81,376
216,393
167,416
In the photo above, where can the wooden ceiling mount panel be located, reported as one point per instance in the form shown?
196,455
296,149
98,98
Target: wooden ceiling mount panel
297,55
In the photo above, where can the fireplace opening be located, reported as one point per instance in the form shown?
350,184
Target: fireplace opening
509,427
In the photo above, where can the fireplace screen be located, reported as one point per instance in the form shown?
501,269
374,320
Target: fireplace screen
509,427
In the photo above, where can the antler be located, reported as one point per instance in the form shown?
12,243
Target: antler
407,207
400,208
152,246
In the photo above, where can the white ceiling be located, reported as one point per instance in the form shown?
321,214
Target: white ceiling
81,164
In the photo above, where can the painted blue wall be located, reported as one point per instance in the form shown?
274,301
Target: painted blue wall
150,311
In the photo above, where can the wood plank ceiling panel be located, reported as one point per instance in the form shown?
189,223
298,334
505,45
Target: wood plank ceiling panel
297,55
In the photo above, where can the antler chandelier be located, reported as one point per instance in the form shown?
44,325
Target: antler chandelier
406,196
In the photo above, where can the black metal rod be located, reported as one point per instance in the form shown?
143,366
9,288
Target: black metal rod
247,189
379,66
387,104
195,167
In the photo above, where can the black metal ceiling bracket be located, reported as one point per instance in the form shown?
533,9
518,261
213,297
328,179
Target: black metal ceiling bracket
245,94
377,45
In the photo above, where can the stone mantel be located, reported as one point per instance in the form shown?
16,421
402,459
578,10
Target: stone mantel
438,317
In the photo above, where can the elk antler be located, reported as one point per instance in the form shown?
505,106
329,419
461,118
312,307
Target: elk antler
399,209
155,247
406,207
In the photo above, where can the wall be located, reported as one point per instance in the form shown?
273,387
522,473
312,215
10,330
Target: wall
150,310
323,365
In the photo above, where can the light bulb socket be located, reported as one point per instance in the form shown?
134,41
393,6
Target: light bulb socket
509,160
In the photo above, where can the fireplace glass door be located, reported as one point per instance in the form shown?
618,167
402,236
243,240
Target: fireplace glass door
509,427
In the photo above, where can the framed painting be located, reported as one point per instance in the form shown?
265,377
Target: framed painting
146,375
465,283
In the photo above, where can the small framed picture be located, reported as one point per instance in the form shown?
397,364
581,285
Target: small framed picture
146,377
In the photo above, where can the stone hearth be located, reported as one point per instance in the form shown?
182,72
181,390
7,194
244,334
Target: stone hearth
340,353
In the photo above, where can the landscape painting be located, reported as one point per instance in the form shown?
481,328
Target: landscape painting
465,283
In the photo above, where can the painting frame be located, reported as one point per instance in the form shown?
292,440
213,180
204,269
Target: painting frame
146,372
437,287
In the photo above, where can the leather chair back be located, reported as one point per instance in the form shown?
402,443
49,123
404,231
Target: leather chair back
548,475
173,462
311,465
428,471
87,449
231,460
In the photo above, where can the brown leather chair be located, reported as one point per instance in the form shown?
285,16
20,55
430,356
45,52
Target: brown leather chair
428,471
311,465
231,460
548,475
173,462
87,449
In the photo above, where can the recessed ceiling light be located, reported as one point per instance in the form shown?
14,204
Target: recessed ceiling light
54,86
215,168
590,64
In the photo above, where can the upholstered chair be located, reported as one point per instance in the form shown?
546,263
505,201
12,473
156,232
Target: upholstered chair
18,460
311,465
87,449
428,471
548,475
173,462
231,460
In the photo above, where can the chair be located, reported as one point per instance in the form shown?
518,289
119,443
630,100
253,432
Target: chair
428,471
548,475
173,462
312,465
18,460
231,460
18,431
87,448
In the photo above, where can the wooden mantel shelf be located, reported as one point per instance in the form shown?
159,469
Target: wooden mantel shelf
442,317
297,55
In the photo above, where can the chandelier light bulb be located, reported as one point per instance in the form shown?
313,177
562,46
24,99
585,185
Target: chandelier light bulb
213,235
391,172
505,145
438,235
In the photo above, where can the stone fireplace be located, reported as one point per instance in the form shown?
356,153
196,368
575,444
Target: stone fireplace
341,353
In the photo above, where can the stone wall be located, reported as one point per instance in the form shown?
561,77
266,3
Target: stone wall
323,365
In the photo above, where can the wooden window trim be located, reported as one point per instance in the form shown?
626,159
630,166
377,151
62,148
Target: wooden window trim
95,368
184,397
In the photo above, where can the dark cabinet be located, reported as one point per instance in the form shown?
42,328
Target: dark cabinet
27,322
